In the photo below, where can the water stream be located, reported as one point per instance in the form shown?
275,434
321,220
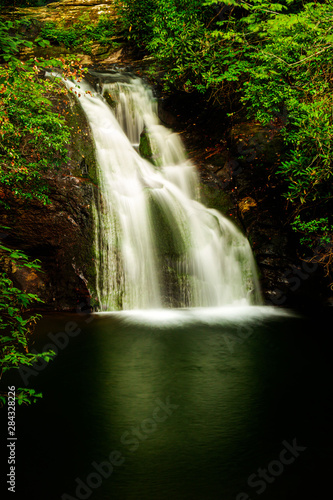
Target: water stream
156,245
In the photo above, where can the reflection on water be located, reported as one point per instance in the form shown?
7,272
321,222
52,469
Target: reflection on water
187,406
164,318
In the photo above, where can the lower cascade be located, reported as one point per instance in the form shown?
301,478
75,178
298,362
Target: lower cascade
156,245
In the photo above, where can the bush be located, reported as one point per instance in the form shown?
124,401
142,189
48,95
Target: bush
16,327
33,135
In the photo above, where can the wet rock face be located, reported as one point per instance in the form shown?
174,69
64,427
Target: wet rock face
60,236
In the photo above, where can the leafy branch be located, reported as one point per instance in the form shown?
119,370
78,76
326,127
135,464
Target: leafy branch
15,327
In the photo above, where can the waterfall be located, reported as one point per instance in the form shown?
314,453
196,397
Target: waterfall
156,245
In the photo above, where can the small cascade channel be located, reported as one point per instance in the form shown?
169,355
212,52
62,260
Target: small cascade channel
156,244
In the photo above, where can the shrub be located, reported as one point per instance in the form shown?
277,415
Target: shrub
16,327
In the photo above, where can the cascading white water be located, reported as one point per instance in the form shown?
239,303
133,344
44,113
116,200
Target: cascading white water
156,244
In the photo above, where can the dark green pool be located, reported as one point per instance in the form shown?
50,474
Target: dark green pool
188,405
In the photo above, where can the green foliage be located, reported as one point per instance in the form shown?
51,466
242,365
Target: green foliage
312,229
137,20
174,32
15,326
9,44
81,34
292,78
33,136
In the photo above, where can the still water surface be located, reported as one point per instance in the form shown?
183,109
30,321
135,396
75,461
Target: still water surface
187,404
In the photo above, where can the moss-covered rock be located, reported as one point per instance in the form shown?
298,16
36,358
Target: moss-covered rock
170,239
215,198
111,102
147,149
82,148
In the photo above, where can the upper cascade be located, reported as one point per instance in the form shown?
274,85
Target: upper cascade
156,244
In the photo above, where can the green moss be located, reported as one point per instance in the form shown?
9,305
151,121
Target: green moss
82,147
215,198
111,102
82,164
147,150
167,232
176,286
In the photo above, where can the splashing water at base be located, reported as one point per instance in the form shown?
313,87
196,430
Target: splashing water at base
156,244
